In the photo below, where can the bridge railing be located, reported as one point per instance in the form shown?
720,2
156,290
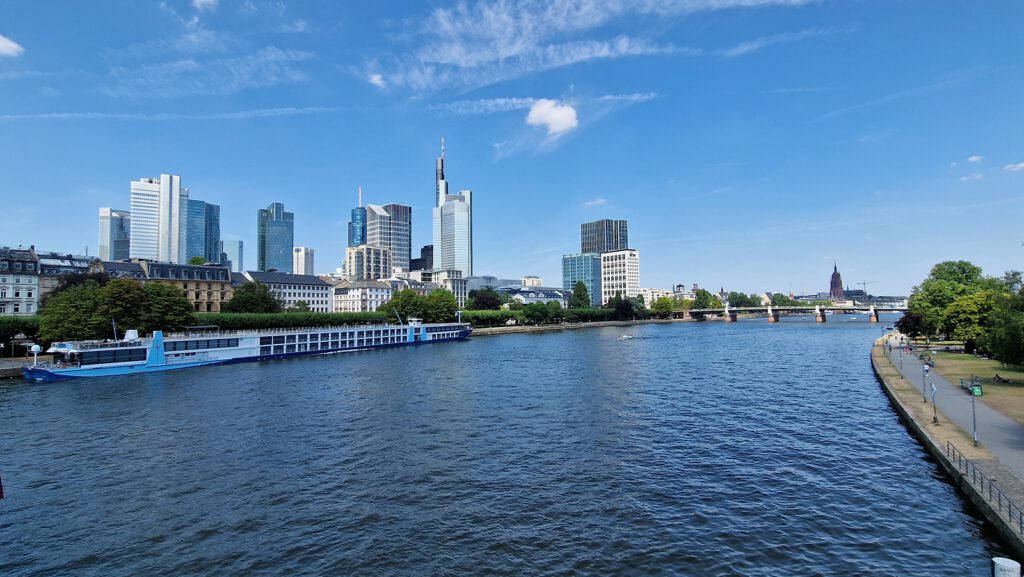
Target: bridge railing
997,499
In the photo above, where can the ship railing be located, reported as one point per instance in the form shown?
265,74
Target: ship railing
89,345
280,330
984,485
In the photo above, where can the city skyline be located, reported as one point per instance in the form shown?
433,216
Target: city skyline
749,146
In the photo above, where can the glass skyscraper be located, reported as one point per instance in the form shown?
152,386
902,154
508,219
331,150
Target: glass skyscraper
453,225
390,227
275,237
357,227
203,231
158,219
585,268
603,236
115,238
232,250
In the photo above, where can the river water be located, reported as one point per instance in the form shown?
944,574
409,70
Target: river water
692,449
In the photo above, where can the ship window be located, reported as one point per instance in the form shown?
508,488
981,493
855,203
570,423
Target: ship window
290,348
289,338
302,347
278,349
279,340
334,344
264,350
302,338
265,340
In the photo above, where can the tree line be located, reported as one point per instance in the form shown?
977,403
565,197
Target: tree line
956,301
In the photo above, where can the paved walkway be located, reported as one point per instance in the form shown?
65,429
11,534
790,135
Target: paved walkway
998,434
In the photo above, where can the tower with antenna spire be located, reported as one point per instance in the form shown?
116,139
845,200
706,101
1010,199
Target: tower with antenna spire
357,224
453,224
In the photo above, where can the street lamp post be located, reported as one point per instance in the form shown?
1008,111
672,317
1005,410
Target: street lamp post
924,375
901,360
935,408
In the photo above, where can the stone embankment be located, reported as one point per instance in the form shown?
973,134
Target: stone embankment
977,473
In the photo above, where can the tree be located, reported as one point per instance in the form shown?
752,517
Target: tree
536,313
911,324
966,318
1005,335
930,300
252,297
124,302
405,304
300,307
662,307
485,299
956,271
73,314
555,312
440,306
69,280
197,261
781,300
166,308
580,296
705,300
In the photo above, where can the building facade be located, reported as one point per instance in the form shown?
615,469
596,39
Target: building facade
115,234
835,291
207,287
531,281
650,295
584,268
620,273
202,237
542,295
19,282
302,260
453,225
158,228
425,260
450,280
360,296
54,265
290,289
604,236
275,237
232,255
390,227
367,262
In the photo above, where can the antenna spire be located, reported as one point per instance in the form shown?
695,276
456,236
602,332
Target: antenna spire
360,196
442,147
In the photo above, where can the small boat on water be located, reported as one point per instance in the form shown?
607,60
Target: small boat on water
134,355
626,336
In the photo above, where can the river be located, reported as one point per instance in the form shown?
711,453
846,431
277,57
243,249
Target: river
692,449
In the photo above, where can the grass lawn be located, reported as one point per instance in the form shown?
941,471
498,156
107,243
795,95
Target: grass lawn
1007,398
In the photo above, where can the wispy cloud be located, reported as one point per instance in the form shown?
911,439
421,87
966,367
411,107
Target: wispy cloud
1014,167
627,98
484,106
800,90
764,41
9,48
189,77
954,80
972,176
595,203
487,42
295,27
975,158
165,116
205,5
557,117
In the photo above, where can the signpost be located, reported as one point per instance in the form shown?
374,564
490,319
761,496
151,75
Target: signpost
924,375
975,392
935,410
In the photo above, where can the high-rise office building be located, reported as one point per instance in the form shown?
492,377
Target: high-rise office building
232,250
585,268
115,234
302,260
367,262
275,238
620,274
357,224
603,236
390,227
203,231
158,219
453,225
425,260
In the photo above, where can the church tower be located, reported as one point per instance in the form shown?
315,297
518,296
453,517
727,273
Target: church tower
835,291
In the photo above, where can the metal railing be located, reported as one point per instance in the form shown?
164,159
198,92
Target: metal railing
1000,501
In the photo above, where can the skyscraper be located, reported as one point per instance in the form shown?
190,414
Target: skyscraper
158,219
390,227
203,231
232,250
115,229
302,260
357,226
275,237
585,268
603,236
620,274
453,225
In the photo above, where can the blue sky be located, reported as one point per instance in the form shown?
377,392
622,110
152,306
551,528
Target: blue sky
749,143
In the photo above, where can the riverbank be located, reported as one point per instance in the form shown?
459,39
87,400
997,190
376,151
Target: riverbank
979,474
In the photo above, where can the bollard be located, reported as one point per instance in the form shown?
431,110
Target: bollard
1003,567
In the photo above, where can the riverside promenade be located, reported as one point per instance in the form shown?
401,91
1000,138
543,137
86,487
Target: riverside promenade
989,474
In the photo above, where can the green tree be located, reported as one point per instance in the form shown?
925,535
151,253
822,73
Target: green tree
959,272
68,280
966,318
705,300
1005,335
197,261
122,301
166,308
440,307
252,297
555,312
405,304
73,314
580,296
300,307
485,299
662,307
536,313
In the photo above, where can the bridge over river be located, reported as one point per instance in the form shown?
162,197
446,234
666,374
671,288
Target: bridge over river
772,313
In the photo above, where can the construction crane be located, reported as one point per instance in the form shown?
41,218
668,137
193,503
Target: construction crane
864,285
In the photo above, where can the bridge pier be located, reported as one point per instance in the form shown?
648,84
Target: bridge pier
729,317
873,315
819,314
773,316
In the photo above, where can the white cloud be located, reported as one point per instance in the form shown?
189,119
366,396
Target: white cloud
204,5
296,27
1014,167
954,164
628,98
972,176
765,41
595,202
265,67
377,80
975,158
558,118
9,48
